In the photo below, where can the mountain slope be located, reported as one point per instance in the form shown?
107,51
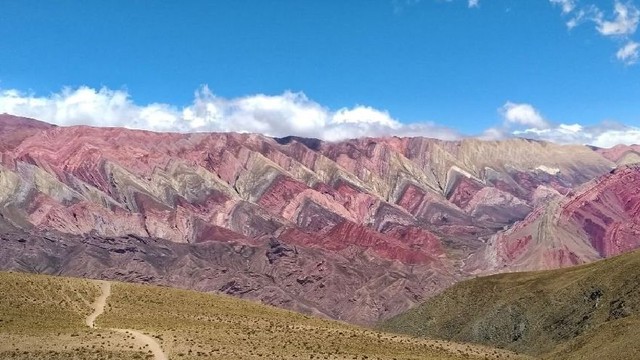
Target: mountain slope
622,154
357,230
585,312
44,317
308,280
598,220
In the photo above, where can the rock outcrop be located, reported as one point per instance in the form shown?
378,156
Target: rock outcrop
597,220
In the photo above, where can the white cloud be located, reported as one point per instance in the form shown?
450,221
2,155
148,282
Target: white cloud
566,5
604,135
364,114
584,14
625,22
629,54
474,3
622,23
289,113
522,114
280,115
494,133
524,120
612,138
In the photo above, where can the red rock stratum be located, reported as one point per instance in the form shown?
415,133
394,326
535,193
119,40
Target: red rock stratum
358,230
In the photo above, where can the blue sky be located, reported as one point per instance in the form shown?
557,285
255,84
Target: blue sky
332,69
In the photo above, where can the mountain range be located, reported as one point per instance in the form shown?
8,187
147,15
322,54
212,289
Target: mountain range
358,230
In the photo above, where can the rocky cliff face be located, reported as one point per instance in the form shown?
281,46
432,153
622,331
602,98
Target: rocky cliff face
597,220
357,230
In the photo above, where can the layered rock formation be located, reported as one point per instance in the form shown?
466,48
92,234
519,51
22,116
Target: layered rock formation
622,154
598,220
357,230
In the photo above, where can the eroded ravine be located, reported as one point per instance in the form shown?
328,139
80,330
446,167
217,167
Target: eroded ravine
140,338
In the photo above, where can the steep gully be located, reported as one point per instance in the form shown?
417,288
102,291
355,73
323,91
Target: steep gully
144,340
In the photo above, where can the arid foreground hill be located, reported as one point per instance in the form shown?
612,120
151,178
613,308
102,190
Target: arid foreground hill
57,318
358,230
585,312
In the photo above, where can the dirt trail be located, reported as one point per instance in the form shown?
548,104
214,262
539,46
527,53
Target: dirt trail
140,338
143,340
99,304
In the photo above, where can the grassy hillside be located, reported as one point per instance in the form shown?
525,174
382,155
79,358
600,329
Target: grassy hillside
44,317
585,312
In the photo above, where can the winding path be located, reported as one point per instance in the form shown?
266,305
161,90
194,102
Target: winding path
99,304
143,340
140,338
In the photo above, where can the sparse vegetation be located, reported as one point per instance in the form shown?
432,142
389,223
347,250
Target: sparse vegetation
192,325
188,325
585,312
42,317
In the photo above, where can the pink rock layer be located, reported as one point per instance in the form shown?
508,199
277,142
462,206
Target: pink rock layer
357,230
598,220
